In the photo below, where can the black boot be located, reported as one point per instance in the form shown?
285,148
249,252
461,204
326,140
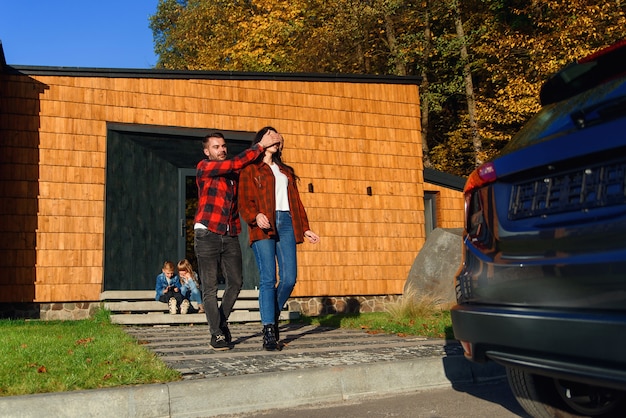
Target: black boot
276,330
276,333
269,339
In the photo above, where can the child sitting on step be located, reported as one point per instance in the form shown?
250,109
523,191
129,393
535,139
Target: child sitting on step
190,285
168,290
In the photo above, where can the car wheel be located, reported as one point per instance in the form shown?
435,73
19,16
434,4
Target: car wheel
545,397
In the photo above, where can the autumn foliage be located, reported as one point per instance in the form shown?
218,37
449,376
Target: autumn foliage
511,47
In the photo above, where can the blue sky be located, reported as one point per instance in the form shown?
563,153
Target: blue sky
78,33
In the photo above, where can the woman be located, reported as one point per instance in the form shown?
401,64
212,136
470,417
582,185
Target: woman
189,283
270,204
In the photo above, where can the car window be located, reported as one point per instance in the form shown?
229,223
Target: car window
561,118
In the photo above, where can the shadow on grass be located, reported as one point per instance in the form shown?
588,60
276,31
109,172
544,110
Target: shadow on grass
332,313
372,322
331,321
417,318
449,333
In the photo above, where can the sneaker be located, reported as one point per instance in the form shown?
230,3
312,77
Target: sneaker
200,309
226,332
218,342
172,305
184,307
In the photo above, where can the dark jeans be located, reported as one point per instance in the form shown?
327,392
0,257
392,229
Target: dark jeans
165,298
213,251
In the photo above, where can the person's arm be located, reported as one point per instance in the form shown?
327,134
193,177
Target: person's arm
192,285
248,193
185,288
210,168
176,284
299,211
161,285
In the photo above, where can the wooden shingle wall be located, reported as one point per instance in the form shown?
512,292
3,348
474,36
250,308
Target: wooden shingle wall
19,174
341,137
450,206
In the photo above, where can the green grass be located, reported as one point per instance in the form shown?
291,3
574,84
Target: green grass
59,356
436,326
412,315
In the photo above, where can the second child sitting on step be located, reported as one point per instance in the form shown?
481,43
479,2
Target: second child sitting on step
190,286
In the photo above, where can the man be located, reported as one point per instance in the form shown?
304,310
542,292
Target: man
217,228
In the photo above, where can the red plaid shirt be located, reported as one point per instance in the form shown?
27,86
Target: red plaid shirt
257,194
217,192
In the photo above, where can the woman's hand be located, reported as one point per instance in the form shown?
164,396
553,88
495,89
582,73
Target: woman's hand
312,237
262,221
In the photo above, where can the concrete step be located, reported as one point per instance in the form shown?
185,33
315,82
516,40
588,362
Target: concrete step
122,295
129,306
196,318
138,307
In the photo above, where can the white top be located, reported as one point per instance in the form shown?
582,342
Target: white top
282,202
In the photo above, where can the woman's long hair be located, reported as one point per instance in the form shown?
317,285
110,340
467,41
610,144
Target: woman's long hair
277,156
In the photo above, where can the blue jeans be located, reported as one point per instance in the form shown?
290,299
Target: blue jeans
281,248
190,291
213,251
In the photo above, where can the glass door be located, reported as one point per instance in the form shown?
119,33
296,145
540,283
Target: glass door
187,204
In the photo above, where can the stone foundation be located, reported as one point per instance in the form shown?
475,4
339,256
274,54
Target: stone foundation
67,311
326,305
341,304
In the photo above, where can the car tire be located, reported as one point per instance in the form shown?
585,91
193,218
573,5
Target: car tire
545,397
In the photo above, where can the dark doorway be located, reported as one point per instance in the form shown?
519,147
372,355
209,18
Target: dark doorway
151,198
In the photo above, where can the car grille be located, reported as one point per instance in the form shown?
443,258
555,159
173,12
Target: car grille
576,190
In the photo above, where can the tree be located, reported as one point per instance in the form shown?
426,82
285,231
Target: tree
515,46
482,61
424,88
229,35
469,85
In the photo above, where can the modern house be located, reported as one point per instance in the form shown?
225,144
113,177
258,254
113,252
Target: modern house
97,172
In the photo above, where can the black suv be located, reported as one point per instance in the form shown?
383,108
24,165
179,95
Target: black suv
542,286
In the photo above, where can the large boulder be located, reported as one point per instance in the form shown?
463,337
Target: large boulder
434,267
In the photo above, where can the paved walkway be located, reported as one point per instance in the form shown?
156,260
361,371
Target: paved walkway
187,349
317,364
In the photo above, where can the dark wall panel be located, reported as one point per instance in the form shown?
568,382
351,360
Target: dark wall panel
141,215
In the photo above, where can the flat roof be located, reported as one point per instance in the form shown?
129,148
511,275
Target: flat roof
444,179
208,75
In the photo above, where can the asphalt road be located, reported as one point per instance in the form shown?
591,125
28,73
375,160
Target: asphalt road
493,399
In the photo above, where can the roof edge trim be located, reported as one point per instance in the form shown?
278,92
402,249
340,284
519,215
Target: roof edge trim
211,75
439,178
3,61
